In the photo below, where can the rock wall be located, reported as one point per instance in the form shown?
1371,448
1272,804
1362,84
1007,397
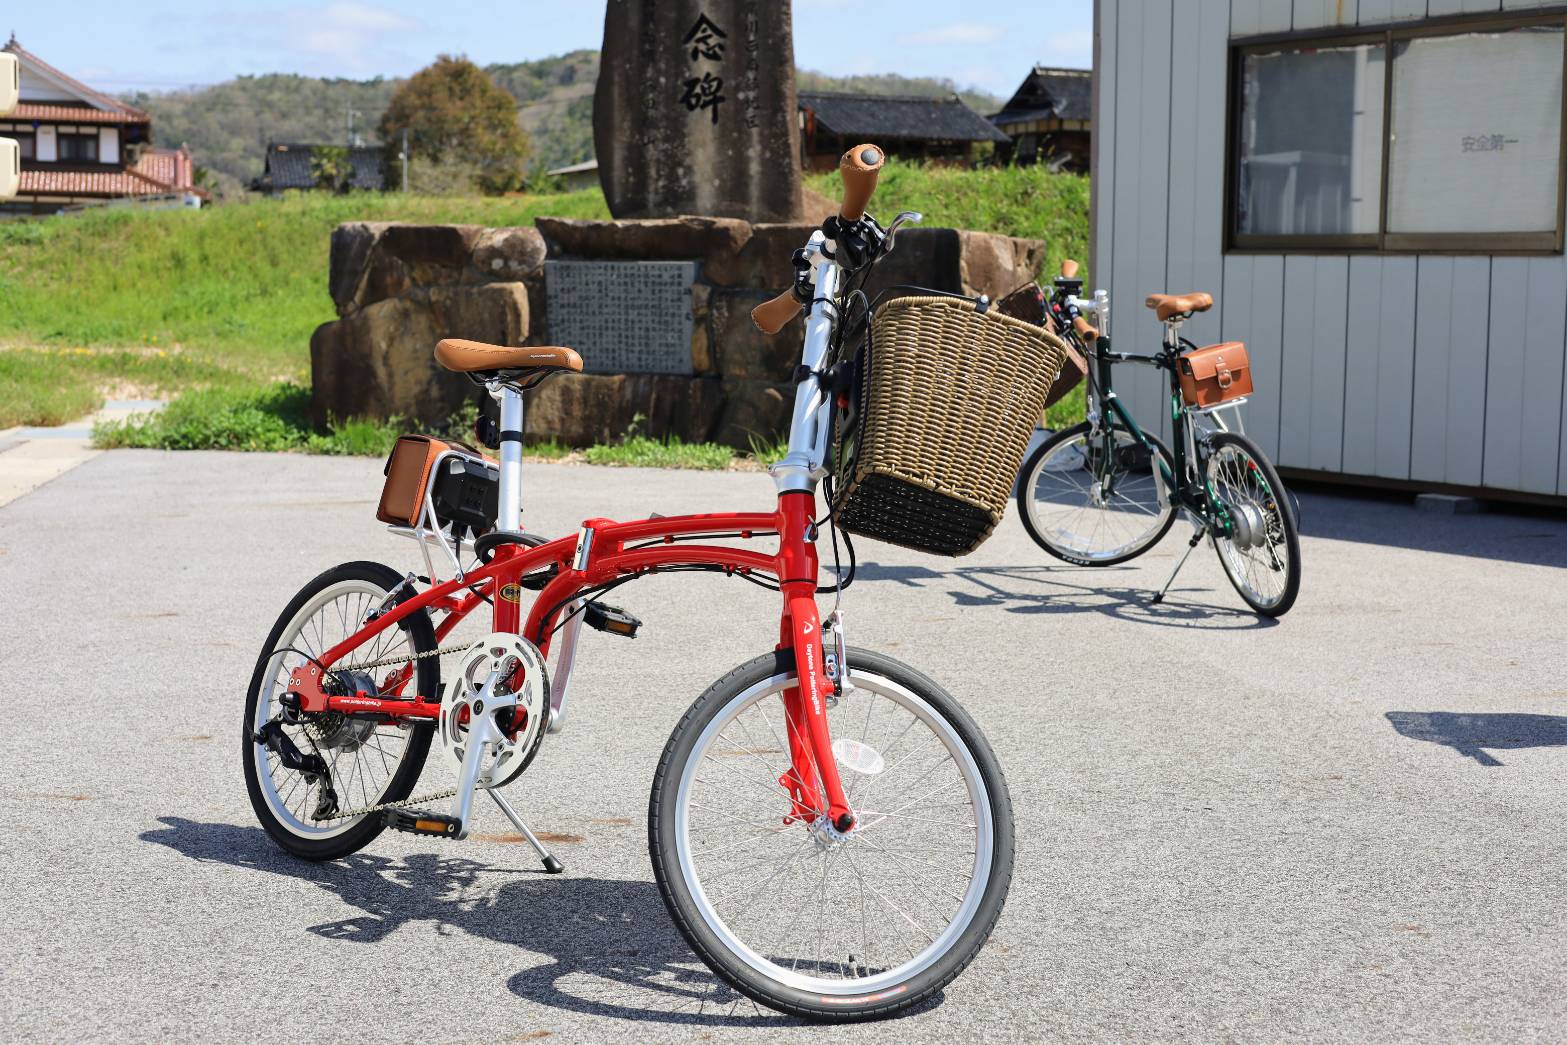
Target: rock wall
400,288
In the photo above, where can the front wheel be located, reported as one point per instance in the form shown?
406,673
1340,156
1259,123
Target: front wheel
801,918
1261,554
1095,498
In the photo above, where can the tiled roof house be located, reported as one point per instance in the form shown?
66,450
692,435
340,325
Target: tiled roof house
81,146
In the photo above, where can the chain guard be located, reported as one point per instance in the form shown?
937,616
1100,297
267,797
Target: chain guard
470,692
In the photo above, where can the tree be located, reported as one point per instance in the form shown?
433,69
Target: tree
455,114
331,168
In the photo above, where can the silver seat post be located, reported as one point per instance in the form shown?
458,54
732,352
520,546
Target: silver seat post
509,518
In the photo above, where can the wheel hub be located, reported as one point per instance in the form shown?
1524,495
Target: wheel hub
1249,527
333,728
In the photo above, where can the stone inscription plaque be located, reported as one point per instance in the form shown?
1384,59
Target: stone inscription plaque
624,317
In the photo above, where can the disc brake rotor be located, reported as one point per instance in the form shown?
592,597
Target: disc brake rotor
501,675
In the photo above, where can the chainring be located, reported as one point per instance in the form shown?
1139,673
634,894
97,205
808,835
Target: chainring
470,691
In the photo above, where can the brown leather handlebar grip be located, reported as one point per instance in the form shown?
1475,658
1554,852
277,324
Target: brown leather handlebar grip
1068,269
859,167
1084,329
772,316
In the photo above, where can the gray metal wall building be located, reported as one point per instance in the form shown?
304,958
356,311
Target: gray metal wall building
1428,369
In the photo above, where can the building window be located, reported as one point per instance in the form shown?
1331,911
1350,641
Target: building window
29,144
78,148
1410,138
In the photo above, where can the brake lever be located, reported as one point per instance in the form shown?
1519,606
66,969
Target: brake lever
907,217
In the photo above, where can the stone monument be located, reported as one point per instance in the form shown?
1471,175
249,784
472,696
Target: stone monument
695,110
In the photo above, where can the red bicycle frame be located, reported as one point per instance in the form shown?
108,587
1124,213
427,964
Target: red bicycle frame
603,552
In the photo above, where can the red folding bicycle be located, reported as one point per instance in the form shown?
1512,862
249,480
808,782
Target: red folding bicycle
830,830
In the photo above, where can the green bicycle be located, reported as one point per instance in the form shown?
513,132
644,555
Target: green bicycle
1105,491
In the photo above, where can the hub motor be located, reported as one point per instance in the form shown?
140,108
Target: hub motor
1250,525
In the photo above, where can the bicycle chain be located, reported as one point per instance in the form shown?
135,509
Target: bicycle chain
416,800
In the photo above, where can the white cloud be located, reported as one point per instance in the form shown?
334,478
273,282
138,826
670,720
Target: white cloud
957,33
341,38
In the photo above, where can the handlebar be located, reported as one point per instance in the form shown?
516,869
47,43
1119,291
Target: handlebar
774,314
860,167
1085,330
1068,269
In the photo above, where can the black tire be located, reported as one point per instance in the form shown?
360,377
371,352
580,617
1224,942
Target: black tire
1279,508
1027,480
421,637
887,1001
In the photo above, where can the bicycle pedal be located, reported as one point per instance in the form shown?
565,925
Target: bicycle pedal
611,619
415,822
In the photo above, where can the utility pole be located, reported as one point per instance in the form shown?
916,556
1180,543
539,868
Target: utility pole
405,159
351,114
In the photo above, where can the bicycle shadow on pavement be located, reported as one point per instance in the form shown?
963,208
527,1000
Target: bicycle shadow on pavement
1070,589
1474,735
611,948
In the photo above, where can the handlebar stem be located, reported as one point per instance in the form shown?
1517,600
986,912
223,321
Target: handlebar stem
810,425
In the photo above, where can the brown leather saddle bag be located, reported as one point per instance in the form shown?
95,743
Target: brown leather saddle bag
1216,374
408,476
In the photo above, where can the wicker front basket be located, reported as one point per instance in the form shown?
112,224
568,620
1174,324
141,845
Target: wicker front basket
948,399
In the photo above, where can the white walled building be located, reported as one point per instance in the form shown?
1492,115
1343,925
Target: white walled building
81,146
1372,190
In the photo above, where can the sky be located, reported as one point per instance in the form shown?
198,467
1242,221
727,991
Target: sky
988,44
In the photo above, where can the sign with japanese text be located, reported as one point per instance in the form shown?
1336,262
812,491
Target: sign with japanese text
695,110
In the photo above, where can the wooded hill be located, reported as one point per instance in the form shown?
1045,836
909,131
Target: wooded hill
228,125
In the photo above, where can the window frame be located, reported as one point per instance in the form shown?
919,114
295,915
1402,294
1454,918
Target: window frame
19,137
60,138
1382,241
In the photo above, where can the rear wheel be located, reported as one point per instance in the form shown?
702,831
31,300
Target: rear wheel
1090,506
368,763
795,915
1262,554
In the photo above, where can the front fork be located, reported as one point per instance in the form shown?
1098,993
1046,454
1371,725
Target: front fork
813,782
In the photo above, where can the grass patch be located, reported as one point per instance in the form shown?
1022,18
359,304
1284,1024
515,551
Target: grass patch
259,419
1071,409
50,386
640,451
222,297
248,280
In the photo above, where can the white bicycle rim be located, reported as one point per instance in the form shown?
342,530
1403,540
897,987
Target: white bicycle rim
1059,494
286,800
865,836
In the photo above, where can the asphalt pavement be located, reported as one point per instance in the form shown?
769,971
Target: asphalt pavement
1348,825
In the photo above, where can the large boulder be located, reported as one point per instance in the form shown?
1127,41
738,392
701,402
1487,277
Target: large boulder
508,254
755,413
376,363
744,352
375,261
713,241
585,409
379,361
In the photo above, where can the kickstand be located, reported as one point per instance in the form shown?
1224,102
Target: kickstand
551,865
1197,537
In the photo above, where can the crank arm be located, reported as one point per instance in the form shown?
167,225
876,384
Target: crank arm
483,734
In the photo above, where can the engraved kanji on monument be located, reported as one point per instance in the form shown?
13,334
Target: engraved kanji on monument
695,110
